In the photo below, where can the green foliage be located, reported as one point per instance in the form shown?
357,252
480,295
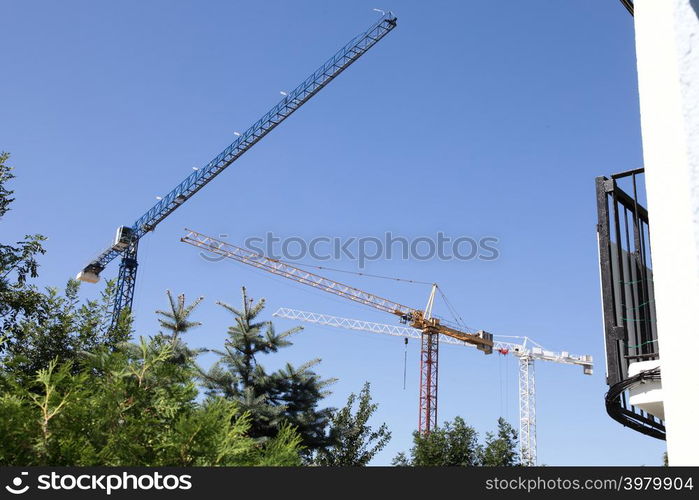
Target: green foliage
501,449
452,444
176,322
74,392
60,327
354,443
456,444
6,176
288,396
131,406
18,264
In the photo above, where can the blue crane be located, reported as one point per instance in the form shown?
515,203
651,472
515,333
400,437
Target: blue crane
127,237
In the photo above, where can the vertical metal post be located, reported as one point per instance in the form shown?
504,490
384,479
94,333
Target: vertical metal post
126,283
613,332
430,302
527,411
429,354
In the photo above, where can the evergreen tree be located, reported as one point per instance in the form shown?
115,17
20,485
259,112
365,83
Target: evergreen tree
73,392
501,449
176,321
354,443
288,396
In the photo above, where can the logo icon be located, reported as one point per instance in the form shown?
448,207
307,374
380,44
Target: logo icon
17,483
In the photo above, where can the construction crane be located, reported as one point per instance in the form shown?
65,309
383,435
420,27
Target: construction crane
127,237
431,327
525,349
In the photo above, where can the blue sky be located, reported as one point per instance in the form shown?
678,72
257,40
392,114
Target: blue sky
473,118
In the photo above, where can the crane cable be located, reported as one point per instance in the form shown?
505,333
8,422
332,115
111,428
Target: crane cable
457,317
357,273
405,361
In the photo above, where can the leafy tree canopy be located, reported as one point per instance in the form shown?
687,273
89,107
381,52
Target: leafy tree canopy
456,444
501,448
354,442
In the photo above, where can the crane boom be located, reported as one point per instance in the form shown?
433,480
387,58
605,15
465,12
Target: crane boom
294,273
126,241
431,327
525,346
370,326
416,317
335,65
359,325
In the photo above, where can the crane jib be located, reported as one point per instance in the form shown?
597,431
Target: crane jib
286,270
337,63
483,340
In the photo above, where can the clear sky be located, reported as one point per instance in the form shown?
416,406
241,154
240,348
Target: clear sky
474,118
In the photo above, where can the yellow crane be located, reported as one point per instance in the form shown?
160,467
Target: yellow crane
430,326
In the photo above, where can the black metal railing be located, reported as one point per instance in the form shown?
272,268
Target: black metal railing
628,300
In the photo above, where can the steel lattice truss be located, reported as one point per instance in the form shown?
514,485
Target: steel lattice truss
368,326
527,351
429,356
415,317
292,101
430,326
285,270
527,411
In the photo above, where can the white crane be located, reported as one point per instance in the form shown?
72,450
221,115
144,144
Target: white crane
527,351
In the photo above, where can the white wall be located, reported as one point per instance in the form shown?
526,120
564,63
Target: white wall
667,48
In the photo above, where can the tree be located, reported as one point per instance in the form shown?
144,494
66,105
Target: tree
60,327
288,396
501,450
176,321
128,407
354,443
452,444
74,392
5,176
456,444
18,263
